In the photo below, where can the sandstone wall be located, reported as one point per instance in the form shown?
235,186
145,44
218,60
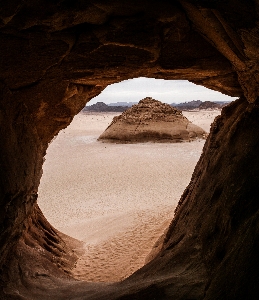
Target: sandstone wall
57,55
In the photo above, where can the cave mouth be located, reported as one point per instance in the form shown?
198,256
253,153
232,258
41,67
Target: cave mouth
57,56
168,91
118,199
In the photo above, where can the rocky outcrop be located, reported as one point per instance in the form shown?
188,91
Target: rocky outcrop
210,105
56,56
198,104
102,107
187,105
151,120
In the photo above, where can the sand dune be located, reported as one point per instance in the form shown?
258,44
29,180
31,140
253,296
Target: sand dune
117,198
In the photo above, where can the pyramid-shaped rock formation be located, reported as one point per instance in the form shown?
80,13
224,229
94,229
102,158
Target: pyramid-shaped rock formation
151,120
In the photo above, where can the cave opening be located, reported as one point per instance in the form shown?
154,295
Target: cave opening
118,199
57,56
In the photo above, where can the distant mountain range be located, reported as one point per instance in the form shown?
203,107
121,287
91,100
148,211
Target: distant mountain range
102,107
187,105
198,104
122,106
129,104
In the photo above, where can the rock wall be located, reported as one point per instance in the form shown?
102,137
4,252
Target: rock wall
210,249
57,55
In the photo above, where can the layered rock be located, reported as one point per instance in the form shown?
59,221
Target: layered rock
151,120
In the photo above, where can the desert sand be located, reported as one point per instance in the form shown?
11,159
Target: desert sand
116,198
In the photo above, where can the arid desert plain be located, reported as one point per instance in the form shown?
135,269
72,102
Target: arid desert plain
116,198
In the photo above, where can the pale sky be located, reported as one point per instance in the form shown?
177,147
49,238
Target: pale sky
168,91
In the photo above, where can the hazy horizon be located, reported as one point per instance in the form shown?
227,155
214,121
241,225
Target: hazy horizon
168,91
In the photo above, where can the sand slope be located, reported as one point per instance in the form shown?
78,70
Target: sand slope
117,198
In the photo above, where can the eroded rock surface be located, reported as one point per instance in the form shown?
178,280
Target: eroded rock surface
56,56
151,121
215,228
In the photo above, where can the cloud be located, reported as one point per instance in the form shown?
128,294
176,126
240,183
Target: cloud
169,91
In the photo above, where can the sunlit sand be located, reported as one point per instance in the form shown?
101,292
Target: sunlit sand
116,198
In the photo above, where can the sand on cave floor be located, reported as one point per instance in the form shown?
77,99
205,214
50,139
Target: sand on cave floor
117,198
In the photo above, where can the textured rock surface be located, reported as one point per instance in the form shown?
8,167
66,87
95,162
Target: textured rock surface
55,56
151,120
215,228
